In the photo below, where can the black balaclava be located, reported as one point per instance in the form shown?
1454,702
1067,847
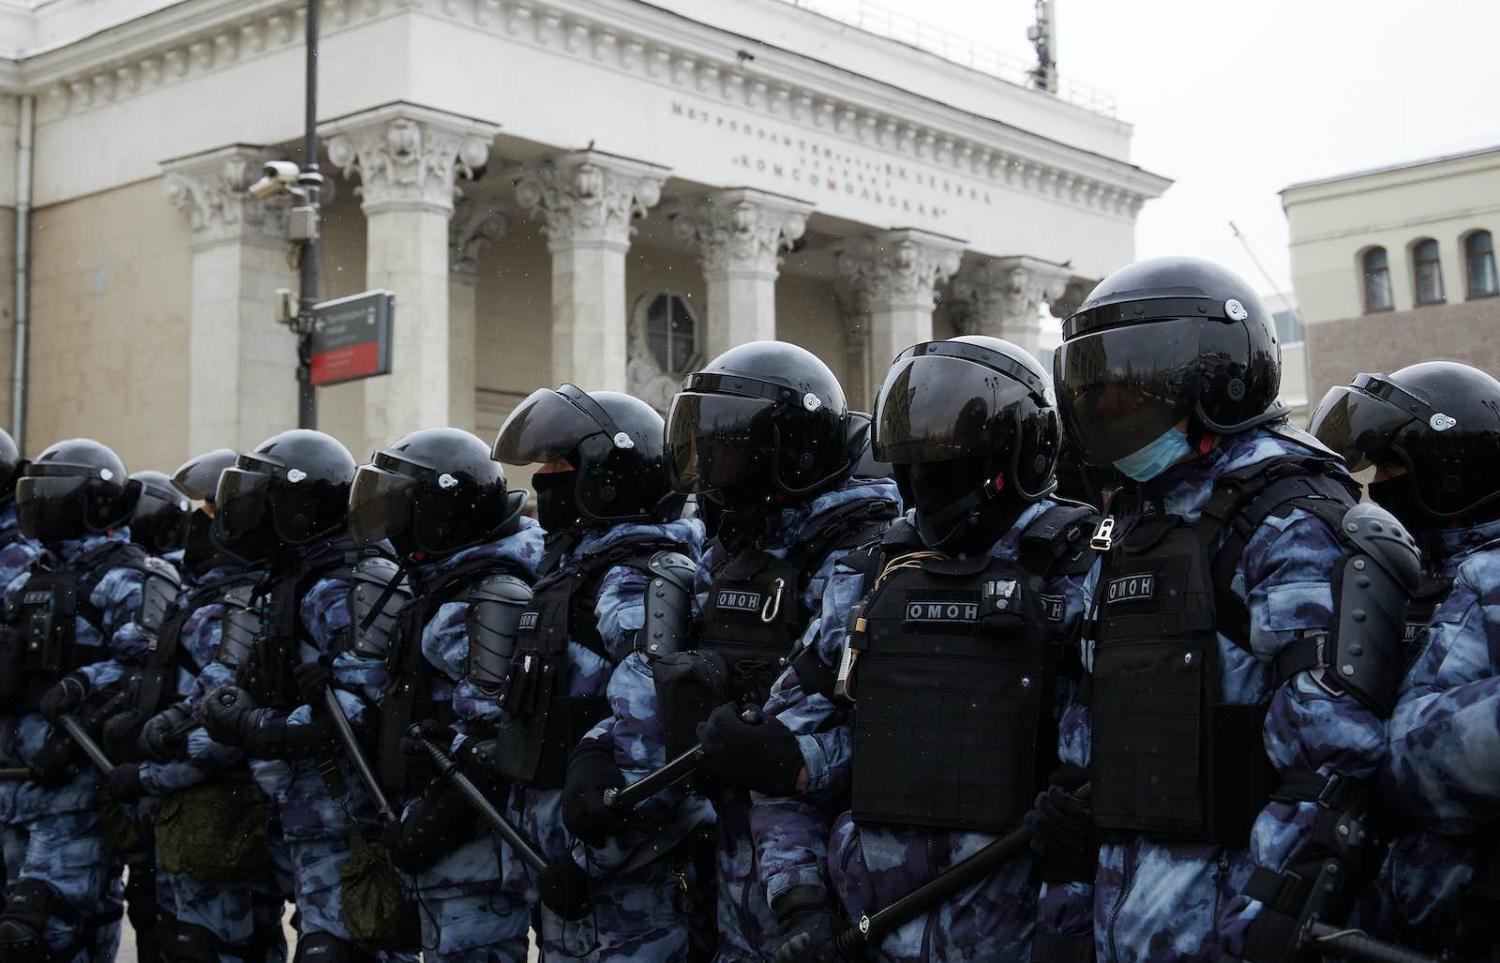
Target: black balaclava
199,551
961,505
556,499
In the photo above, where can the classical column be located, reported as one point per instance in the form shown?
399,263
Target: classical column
242,364
1003,297
741,234
587,201
409,160
897,273
475,223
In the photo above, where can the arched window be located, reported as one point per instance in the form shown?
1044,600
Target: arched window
672,334
1479,256
1427,271
1377,275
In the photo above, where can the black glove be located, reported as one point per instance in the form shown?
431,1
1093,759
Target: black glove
312,678
280,739
808,927
125,783
761,756
65,695
1062,830
230,716
563,887
592,770
416,760
53,764
164,736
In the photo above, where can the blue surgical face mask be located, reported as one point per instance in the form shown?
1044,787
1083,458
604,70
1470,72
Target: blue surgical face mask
1148,462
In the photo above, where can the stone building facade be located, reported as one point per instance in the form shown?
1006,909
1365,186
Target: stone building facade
606,192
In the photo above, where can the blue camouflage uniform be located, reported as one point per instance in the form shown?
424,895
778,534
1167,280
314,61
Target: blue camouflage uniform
465,914
56,834
867,867
747,930
639,892
1444,768
234,912
16,558
1163,900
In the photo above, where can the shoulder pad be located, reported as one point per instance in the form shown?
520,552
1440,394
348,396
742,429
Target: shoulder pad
1058,535
161,568
900,535
668,606
674,566
376,568
378,591
504,588
1375,532
239,594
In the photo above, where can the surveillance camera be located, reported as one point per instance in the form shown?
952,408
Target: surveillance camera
275,177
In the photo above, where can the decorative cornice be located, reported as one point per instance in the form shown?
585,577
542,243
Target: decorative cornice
1003,296
474,225
210,188
902,267
741,230
588,196
190,39
408,156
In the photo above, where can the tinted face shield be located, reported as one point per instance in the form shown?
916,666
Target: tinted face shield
1365,422
161,520
546,427
380,503
1121,388
52,502
718,441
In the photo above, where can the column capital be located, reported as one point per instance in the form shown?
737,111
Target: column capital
1003,296
900,267
741,230
474,224
211,189
588,196
408,156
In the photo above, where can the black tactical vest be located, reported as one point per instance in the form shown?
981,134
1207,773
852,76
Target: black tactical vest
266,674
957,658
46,614
753,616
541,722
1424,603
1170,757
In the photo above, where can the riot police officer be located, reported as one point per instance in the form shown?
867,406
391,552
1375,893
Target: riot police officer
161,518
17,552
287,500
465,558
1432,433
950,640
197,479
613,525
764,431
82,618
1239,673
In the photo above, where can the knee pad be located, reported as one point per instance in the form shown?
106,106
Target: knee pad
196,944
323,948
23,923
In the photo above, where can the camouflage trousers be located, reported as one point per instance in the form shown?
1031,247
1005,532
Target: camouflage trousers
466,915
747,930
66,850
647,915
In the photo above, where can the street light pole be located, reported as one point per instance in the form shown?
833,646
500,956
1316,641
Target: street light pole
311,181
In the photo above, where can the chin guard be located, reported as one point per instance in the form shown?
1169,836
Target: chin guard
669,605
378,591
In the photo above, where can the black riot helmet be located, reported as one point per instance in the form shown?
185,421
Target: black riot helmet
434,492
1160,341
74,489
198,477
291,489
10,464
159,523
1440,420
613,441
862,442
964,422
765,417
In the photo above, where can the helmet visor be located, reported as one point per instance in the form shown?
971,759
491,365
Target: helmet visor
52,508
1359,426
1120,388
715,441
545,427
934,408
241,502
380,505
199,478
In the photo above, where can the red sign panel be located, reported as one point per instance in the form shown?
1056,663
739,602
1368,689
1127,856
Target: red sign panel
352,338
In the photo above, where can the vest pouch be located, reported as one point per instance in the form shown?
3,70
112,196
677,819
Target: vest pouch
49,606
1239,775
535,691
689,686
376,910
214,832
1146,742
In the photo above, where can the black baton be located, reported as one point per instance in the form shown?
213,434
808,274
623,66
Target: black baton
15,775
448,769
673,772
86,743
357,756
876,926
1357,945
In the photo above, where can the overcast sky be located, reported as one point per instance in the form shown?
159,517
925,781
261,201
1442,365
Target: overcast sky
1236,99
